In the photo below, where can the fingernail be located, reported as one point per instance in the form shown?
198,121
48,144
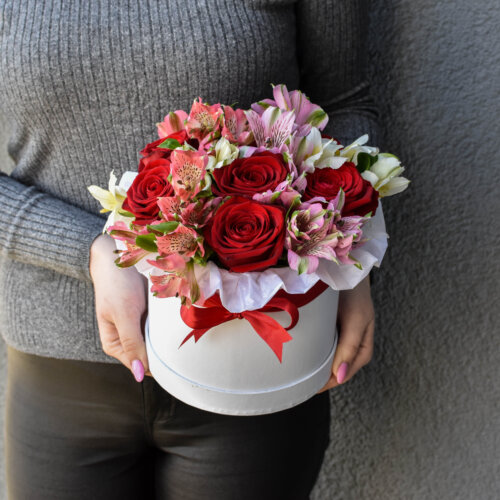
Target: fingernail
342,372
138,370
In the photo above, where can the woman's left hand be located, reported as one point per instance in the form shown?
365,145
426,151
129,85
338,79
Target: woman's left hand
356,320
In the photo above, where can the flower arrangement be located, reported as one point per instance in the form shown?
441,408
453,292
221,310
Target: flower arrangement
245,202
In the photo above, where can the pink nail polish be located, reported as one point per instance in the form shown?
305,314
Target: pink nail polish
342,372
138,370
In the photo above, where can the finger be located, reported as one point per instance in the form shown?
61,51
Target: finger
363,357
350,338
364,354
332,382
110,341
348,343
128,325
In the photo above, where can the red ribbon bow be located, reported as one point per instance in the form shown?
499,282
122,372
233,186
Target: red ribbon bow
213,313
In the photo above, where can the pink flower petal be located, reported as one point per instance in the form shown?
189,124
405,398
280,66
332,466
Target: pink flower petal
183,241
173,122
188,171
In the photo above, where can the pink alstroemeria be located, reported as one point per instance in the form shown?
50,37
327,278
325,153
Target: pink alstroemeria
170,207
307,114
169,285
188,173
335,205
199,213
175,283
133,254
272,128
300,183
343,250
173,122
310,236
236,128
284,194
172,263
204,121
352,231
352,225
183,241
120,231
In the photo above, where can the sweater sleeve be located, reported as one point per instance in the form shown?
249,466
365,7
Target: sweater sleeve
44,231
332,54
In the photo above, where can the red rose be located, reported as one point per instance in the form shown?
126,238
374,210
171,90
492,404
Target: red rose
248,176
360,197
247,235
152,151
148,186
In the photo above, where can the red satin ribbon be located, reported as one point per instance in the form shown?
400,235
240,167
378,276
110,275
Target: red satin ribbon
213,313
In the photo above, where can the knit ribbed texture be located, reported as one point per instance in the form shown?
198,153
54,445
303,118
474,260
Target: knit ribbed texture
82,85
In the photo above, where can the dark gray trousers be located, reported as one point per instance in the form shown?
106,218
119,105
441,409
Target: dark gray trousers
80,430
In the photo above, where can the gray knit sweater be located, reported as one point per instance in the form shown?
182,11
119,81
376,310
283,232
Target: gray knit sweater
82,85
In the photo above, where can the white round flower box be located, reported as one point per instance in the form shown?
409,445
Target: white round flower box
231,370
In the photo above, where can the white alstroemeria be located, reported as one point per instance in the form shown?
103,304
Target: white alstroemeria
329,157
358,146
225,153
384,175
110,200
312,151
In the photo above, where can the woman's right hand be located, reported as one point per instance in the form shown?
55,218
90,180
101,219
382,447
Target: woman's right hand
120,298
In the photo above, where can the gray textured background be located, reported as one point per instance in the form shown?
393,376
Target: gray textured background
422,421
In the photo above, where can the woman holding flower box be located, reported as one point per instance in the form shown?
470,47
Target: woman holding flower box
80,86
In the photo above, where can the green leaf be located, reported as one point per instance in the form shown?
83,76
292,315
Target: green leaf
164,227
125,213
147,242
365,161
169,144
